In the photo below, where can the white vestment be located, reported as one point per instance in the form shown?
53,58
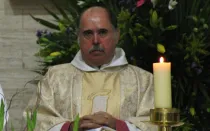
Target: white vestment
61,93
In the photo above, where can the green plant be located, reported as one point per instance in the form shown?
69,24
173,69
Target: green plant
31,121
2,115
61,45
76,123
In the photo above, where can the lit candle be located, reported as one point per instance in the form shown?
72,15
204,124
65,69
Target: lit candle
162,84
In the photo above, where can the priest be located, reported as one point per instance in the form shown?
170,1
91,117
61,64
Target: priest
99,84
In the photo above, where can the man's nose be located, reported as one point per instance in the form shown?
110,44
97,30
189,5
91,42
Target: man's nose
95,39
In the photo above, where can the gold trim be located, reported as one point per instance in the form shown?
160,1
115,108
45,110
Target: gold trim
165,118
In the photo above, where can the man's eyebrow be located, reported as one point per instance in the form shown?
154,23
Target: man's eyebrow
103,29
87,30
96,30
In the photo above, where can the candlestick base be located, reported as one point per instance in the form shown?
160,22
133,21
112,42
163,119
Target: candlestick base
165,118
163,128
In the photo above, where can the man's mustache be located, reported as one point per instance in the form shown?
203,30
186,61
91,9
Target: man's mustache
96,48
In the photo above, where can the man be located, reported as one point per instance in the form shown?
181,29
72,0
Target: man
98,84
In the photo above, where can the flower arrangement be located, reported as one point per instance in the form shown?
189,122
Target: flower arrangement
176,29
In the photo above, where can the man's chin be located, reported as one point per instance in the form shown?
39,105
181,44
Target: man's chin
97,60
95,63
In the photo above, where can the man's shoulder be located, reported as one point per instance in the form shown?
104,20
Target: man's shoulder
139,70
67,67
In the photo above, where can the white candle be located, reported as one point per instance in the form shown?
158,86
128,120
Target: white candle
162,84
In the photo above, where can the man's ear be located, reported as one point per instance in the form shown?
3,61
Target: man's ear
77,32
78,41
117,35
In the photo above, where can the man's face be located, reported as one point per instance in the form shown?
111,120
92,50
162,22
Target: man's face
97,37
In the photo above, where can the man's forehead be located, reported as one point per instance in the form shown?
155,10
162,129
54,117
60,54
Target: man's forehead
95,14
94,18
93,10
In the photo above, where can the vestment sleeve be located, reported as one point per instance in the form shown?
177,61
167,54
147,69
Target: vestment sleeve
146,102
44,103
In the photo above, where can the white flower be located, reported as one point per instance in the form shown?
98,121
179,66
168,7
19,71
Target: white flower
154,2
80,2
172,4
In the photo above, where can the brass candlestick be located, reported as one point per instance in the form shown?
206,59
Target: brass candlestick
165,118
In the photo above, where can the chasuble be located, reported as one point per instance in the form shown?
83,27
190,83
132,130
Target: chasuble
122,90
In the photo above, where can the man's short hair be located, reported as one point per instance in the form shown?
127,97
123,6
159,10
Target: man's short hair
112,16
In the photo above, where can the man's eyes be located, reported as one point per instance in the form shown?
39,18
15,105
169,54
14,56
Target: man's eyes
88,33
100,32
103,32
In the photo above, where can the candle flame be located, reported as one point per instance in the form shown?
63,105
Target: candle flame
161,59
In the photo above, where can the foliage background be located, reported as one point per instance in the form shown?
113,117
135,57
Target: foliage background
177,30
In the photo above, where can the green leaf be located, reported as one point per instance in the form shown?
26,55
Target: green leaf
62,27
63,13
46,23
205,26
52,14
134,40
192,111
43,39
133,36
208,110
195,6
138,26
12,127
161,48
73,10
76,123
42,44
154,19
172,27
141,37
51,45
130,32
186,57
49,58
202,51
74,47
29,126
34,119
31,120
2,115
204,92
123,16
55,54
132,19
43,52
